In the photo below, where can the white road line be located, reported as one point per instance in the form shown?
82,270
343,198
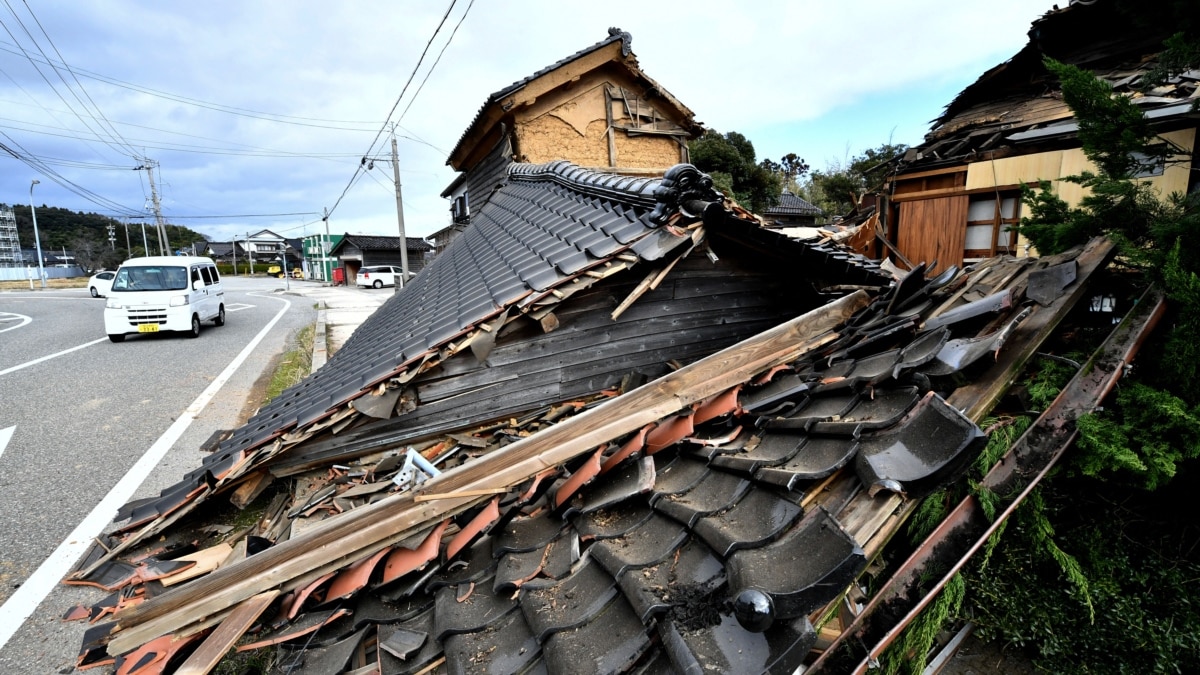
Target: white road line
6,436
11,316
21,605
237,307
23,296
51,356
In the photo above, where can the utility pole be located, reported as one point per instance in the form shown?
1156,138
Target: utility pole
250,252
326,268
399,213
233,244
145,244
128,247
164,246
112,237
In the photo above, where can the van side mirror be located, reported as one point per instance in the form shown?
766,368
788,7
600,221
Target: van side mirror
197,285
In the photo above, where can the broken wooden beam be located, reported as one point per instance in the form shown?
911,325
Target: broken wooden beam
220,641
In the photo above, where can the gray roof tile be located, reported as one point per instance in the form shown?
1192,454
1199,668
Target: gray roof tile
793,205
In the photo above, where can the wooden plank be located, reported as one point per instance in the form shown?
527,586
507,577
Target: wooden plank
362,530
926,194
480,492
251,487
216,645
931,172
206,561
863,517
933,229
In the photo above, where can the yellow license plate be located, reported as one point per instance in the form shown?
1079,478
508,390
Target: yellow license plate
148,328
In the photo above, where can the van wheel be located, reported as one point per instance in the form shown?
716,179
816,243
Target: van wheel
94,293
220,320
195,331
378,284
118,337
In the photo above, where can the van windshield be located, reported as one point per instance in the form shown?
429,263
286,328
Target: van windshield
150,278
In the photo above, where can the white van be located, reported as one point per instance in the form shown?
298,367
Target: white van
163,293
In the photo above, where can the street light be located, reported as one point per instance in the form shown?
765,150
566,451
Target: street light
37,239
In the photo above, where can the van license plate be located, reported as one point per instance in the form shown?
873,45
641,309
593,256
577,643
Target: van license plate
148,328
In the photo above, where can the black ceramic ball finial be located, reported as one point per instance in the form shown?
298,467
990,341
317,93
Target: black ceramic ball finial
754,610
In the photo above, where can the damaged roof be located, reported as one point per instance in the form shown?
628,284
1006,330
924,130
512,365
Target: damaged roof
1018,104
589,523
552,231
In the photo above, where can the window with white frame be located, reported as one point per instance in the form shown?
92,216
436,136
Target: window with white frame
990,218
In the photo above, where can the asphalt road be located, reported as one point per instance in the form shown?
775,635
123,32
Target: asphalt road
86,425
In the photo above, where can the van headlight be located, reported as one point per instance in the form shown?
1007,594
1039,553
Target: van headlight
179,301
113,303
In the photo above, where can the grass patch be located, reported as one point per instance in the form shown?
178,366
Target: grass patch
294,365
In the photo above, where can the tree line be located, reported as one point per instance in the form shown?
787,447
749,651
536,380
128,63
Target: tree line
86,236
729,158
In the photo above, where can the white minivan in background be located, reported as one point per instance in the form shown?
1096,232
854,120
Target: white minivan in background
378,276
163,293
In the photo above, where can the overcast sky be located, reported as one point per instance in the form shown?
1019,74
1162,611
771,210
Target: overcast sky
258,113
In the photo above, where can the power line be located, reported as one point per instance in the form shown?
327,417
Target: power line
371,148
436,62
112,129
110,143
235,215
181,147
38,165
217,107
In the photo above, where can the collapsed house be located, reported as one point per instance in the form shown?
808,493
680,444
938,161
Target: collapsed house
955,196
617,425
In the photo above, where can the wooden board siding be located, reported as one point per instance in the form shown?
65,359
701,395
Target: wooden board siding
489,173
924,184
933,229
1015,170
700,309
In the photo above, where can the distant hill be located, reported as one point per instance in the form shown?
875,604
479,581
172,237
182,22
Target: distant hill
85,235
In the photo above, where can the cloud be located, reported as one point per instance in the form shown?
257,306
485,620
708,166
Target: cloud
788,74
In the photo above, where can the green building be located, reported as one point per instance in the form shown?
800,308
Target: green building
317,262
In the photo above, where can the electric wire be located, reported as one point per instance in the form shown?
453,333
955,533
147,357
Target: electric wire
359,169
112,129
99,137
100,120
218,107
435,62
231,215
188,148
23,155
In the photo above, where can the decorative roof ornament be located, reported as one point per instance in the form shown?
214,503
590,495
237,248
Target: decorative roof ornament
682,185
626,39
